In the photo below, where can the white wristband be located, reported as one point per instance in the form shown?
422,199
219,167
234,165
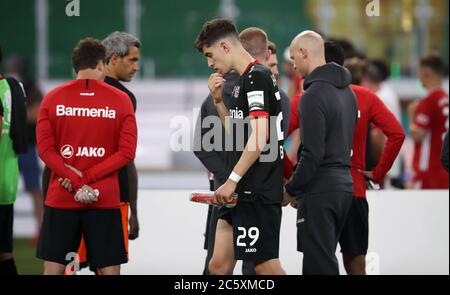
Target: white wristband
235,177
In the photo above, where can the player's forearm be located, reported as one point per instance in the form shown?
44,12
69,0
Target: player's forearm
110,165
132,187
224,115
122,157
47,152
417,133
255,145
56,164
395,138
248,158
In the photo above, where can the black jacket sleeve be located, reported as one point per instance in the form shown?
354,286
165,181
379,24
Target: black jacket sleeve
312,150
18,117
210,159
444,155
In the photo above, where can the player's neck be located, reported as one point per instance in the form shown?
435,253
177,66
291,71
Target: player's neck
315,64
92,74
242,60
433,85
111,73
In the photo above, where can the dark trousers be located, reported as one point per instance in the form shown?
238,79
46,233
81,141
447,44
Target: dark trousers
320,220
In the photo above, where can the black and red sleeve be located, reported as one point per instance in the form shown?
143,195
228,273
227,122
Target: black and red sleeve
258,93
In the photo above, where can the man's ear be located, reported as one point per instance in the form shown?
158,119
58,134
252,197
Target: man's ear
225,46
100,66
114,59
303,52
267,55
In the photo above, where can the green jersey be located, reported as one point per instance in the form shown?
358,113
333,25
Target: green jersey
9,166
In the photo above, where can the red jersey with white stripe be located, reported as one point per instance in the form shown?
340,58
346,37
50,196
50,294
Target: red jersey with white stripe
91,126
432,116
372,110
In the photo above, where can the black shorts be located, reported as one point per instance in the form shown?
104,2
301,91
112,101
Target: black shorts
101,228
6,228
256,229
354,239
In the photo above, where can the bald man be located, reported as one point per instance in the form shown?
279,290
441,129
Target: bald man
322,183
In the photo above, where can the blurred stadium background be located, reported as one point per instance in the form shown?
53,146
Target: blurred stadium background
172,78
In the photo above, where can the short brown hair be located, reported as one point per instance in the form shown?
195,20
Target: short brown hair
272,47
254,40
433,61
377,70
357,68
87,53
214,30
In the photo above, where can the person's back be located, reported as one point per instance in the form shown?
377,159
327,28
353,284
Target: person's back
86,132
329,85
372,110
87,116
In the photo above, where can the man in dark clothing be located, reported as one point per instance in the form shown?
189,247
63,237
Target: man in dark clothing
444,154
214,161
322,181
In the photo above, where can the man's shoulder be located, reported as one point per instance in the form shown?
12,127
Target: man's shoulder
116,84
112,90
283,94
364,95
314,91
208,102
67,86
258,72
361,90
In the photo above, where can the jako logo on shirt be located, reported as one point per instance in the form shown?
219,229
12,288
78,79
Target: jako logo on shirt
67,151
94,152
62,110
